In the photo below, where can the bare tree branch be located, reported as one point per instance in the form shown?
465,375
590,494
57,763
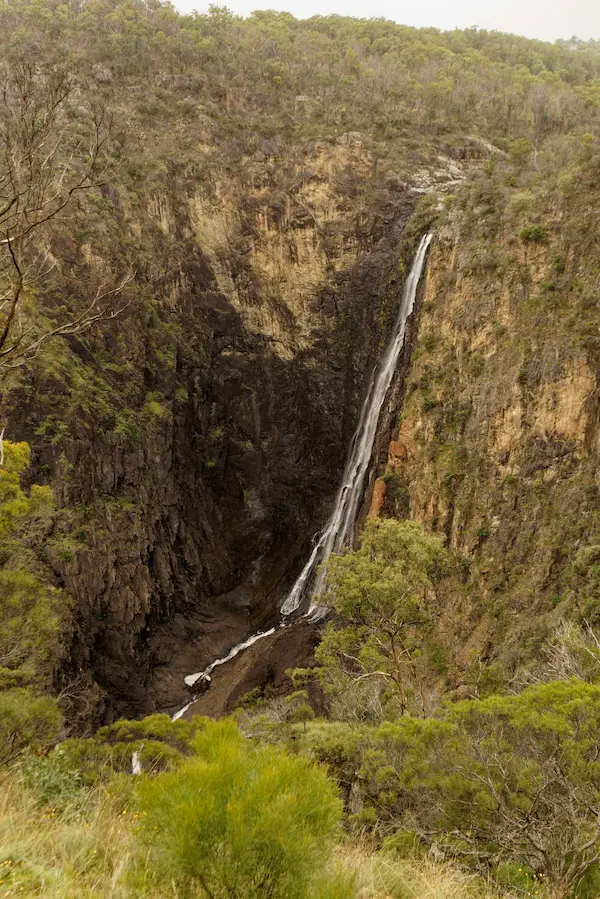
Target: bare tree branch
42,168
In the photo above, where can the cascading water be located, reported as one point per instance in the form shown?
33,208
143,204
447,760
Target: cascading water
339,531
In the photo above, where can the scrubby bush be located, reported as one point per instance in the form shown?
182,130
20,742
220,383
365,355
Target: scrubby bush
241,821
533,234
510,780
532,781
29,629
384,596
158,743
508,784
178,734
27,722
31,612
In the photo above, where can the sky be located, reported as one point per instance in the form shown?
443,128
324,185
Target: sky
544,19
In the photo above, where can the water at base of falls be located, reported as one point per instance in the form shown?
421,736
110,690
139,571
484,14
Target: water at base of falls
191,679
339,530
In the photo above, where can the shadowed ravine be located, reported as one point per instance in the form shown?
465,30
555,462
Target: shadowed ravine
339,530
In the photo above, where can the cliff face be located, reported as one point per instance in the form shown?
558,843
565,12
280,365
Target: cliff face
497,444
195,446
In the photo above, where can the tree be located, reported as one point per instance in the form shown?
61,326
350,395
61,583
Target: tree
516,779
31,612
46,158
383,594
250,821
27,723
299,708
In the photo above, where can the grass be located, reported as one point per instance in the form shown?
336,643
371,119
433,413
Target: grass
383,876
86,851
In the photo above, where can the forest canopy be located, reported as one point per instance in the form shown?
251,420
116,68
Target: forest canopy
330,70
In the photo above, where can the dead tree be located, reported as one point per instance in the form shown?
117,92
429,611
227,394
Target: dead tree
46,158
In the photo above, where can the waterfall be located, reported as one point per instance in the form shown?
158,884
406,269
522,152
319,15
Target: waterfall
339,530
191,679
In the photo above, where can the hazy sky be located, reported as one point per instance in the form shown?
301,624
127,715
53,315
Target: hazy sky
546,19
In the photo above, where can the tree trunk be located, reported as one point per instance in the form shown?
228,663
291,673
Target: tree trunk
557,889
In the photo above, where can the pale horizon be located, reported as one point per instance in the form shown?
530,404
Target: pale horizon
532,18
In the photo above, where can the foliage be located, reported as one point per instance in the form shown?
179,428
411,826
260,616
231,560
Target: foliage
158,742
36,134
31,620
27,722
533,234
300,709
509,784
384,596
519,778
482,82
14,504
508,780
12,499
31,613
29,629
250,821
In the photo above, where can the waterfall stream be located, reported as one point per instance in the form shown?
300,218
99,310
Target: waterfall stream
339,530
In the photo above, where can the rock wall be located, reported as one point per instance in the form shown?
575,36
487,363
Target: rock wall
497,444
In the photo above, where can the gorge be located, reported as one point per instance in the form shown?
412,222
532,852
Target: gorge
338,533
299,439
194,445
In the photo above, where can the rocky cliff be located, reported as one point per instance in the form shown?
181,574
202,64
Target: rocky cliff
194,447
497,444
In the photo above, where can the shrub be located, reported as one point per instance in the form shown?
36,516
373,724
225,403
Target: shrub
26,722
159,742
515,779
520,150
533,234
250,822
30,612
177,734
429,342
30,624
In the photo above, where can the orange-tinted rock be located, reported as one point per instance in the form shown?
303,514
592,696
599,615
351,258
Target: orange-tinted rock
378,498
398,451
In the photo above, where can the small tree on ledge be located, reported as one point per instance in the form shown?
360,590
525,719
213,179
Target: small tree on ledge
383,594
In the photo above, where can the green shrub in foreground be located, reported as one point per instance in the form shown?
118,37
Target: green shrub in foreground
510,781
239,821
